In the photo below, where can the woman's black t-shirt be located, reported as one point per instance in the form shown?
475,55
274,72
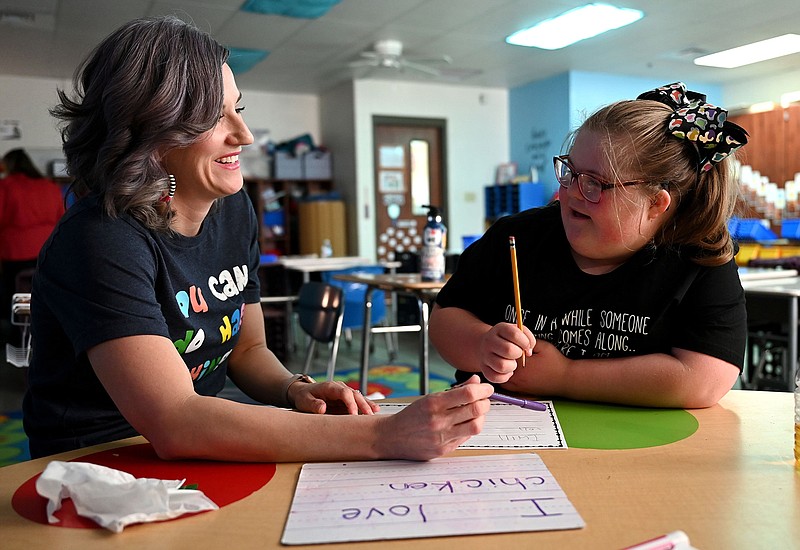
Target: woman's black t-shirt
101,278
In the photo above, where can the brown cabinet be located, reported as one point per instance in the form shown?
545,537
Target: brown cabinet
276,203
322,220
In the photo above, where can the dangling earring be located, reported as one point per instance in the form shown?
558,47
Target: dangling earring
171,191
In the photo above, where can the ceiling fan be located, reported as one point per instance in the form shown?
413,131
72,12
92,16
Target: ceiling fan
388,54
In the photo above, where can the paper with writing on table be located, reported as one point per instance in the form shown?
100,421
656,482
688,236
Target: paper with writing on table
510,427
359,501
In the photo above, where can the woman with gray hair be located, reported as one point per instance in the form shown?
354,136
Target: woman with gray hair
147,297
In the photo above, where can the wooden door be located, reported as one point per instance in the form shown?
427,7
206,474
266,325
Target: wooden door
409,173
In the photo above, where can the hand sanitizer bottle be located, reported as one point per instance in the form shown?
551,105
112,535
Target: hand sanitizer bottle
434,243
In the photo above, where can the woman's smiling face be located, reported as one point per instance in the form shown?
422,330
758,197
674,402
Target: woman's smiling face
209,168
604,235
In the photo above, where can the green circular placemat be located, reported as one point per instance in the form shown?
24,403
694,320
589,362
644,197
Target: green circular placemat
600,426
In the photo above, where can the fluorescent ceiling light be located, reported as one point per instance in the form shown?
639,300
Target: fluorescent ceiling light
790,97
574,25
752,53
763,107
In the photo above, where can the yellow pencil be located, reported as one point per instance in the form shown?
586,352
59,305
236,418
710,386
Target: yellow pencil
512,243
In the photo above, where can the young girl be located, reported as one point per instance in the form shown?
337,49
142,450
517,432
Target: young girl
629,290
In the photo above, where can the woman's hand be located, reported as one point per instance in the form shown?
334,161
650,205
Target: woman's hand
329,397
500,349
437,423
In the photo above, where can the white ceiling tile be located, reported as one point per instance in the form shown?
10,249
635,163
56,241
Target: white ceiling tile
309,55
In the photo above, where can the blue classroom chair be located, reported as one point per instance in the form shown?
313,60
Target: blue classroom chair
354,295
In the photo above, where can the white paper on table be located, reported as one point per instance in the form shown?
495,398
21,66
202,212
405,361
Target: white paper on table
510,427
379,500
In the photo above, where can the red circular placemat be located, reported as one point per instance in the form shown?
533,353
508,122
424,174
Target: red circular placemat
222,482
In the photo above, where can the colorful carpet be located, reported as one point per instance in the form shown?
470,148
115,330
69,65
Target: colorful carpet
13,442
393,380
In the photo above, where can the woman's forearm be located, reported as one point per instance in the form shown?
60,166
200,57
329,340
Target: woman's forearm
220,429
260,375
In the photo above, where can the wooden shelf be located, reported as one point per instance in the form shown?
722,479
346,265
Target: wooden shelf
276,205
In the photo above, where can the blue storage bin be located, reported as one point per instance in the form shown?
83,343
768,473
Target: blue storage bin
790,229
273,218
504,199
751,229
268,258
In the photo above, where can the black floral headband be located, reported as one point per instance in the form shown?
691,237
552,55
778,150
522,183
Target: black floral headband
698,121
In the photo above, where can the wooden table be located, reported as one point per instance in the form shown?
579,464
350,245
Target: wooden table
730,485
424,292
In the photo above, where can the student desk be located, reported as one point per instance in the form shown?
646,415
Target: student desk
407,283
732,484
307,266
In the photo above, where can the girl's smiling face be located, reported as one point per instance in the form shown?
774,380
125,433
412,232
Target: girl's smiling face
604,235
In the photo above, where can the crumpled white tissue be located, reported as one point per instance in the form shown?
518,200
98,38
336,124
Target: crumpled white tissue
116,499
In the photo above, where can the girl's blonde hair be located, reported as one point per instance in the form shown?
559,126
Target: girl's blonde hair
635,138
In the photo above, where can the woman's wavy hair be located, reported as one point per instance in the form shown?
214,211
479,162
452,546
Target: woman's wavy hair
638,145
153,85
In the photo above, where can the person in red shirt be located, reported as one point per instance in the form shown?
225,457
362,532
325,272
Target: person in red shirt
30,206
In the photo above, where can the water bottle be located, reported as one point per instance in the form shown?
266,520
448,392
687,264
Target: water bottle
434,242
326,250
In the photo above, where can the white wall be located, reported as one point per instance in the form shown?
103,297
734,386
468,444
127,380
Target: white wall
477,141
337,122
28,100
745,93
286,116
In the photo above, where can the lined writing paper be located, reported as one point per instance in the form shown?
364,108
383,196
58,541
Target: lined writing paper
510,427
379,500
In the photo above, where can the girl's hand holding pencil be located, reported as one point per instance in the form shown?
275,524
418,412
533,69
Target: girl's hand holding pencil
505,346
500,350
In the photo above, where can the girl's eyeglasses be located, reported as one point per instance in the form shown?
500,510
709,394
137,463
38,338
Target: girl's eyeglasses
591,187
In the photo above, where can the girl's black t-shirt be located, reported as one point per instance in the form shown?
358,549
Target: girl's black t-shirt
656,301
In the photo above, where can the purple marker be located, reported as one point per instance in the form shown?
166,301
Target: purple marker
524,403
